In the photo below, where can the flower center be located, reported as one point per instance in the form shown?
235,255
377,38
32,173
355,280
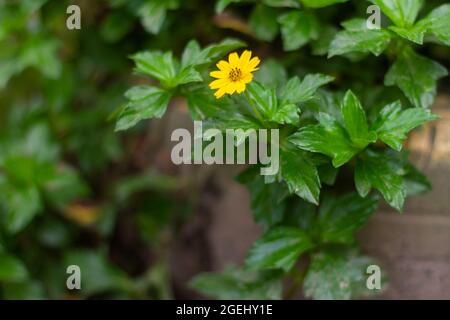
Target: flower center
235,74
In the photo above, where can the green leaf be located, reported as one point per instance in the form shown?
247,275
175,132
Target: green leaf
11,269
194,56
187,75
279,248
216,51
328,173
414,33
202,104
364,41
22,205
415,182
98,275
161,66
239,284
145,102
191,54
271,74
402,13
265,100
263,22
355,121
298,28
320,3
393,123
373,170
339,218
282,3
328,138
320,46
287,114
337,274
266,198
438,22
298,92
153,13
28,290
416,76
300,174
223,4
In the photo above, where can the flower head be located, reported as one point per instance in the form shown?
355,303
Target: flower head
234,74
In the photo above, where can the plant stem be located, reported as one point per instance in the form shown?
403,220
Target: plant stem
299,275
254,108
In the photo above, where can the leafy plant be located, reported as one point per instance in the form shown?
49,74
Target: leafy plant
74,180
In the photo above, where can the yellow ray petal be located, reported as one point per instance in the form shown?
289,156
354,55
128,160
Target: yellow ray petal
240,87
231,87
234,60
247,78
219,93
219,83
218,74
245,58
223,66
253,64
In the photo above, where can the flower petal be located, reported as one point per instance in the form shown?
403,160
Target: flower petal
245,58
253,64
233,58
240,87
231,87
218,74
219,93
219,83
247,78
223,66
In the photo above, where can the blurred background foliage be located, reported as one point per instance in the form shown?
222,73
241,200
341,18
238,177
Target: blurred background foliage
71,189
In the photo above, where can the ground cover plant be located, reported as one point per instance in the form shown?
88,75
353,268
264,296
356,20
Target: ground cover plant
81,182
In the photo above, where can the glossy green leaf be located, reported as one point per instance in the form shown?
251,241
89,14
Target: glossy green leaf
414,33
296,91
263,22
11,269
267,199
339,218
271,74
153,13
239,284
282,3
337,274
320,3
364,41
97,274
287,114
393,123
328,138
297,29
279,248
22,205
145,102
355,121
402,13
265,100
416,76
191,54
300,174
373,170
438,22
161,66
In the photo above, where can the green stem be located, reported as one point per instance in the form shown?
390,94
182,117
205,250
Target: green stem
254,108
298,275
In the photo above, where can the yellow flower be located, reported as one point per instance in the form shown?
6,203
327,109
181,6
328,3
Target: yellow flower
234,74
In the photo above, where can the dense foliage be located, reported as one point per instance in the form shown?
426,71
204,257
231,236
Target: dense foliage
74,117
